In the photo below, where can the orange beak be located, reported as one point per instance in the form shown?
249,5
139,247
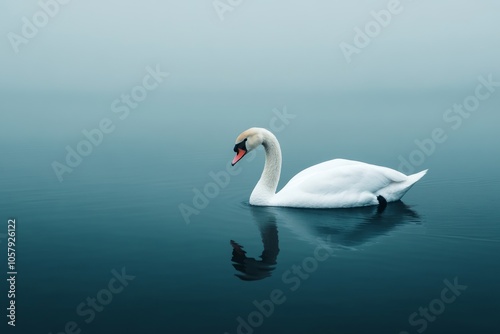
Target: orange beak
241,153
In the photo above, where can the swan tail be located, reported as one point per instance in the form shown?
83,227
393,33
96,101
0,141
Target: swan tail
412,179
398,190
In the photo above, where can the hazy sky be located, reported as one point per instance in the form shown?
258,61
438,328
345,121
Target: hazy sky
260,45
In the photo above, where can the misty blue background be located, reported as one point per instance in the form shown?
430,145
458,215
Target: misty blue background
120,207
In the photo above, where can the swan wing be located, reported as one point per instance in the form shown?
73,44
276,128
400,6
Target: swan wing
339,183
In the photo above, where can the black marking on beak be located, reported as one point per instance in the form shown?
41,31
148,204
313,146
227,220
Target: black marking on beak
241,145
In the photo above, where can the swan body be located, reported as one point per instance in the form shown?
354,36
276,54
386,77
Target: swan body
336,183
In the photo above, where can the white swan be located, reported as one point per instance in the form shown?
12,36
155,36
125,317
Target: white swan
336,183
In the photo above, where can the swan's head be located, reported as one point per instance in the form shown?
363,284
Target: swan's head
246,142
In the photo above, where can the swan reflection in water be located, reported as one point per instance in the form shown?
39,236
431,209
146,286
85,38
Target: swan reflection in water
343,228
251,268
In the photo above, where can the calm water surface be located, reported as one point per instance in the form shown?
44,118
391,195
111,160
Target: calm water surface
328,271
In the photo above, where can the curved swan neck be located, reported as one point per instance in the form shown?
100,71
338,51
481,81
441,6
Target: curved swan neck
268,183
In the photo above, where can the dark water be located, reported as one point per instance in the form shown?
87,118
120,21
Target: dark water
326,271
